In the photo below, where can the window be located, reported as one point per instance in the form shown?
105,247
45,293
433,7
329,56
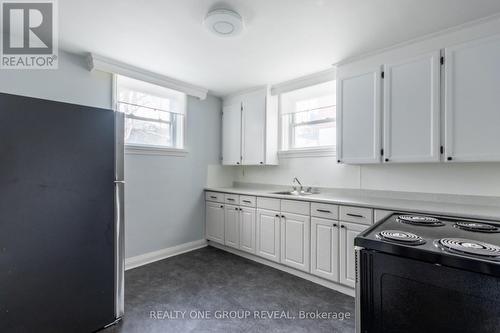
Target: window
154,115
308,117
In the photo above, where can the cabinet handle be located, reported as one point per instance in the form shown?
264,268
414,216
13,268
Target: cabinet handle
335,225
213,197
221,206
283,216
277,215
450,158
229,199
247,201
323,211
261,162
387,160
236,208
237,162
355,215
342,226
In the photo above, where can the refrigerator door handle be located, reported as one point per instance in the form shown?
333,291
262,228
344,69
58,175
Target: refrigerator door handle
119,182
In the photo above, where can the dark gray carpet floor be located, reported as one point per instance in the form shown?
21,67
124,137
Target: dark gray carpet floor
210,281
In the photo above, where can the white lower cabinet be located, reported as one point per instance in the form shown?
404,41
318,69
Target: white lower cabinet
247,229
215,222
268,234
348,231
232,226
325,248
295,245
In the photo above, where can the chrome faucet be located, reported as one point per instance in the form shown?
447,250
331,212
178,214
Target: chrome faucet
296,180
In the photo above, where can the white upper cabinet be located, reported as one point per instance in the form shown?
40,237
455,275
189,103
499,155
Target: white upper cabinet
411,110
231,134
472,101
250,129
359,117
254,130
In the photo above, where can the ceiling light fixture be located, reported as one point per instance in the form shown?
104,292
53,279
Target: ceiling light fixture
224,22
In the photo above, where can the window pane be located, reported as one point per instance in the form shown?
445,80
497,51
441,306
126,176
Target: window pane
317,135
147,132
319,114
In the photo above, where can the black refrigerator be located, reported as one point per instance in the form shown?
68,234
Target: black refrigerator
61,216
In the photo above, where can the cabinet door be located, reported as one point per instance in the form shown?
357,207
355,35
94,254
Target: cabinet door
359,118
411,110
268,235
472,101
231,134
325,248
247,229
295,246
348,231
254,128
214,215
232,226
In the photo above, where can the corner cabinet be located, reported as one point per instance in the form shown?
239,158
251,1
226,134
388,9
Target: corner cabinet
472,101
214,213
250,129
359,117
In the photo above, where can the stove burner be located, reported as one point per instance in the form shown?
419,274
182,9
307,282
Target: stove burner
403,237
475,226
420,220
469,247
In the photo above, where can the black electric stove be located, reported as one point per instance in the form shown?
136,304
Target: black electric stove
425,273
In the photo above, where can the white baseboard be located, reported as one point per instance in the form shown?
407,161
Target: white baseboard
150,257
304,275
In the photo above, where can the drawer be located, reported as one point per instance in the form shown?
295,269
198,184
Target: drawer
326,211
356,214
268,203
295,207
233,199
214,196
246,200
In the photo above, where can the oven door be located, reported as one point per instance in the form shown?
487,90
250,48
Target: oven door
404,295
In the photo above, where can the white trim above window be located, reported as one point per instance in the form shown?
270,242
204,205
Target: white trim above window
153,150
308,152
100,63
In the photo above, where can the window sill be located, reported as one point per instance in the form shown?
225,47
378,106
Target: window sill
154,150
307,152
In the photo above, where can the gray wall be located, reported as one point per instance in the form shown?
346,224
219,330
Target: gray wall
163,196
164,202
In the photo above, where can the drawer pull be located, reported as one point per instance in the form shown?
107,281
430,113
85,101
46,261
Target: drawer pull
213,197
221,206
355,215
323,211
247,201
229,199
236,208
277,215
342,226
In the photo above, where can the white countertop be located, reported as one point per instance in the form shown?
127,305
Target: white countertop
437,204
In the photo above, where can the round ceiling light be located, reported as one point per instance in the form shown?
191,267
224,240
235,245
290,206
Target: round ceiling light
224,22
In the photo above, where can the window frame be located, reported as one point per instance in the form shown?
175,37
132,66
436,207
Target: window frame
146,149
287,150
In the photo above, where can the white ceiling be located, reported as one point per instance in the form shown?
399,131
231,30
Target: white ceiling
283,39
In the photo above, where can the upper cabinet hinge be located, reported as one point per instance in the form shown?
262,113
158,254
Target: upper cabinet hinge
442,60
383,75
